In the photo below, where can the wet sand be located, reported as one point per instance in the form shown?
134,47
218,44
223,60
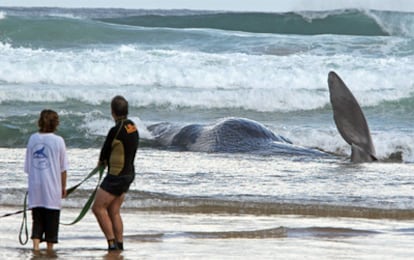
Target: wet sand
163,235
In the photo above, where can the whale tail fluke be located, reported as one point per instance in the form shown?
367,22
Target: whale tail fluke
350,120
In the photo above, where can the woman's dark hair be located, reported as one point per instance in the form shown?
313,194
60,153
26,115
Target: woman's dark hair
119,106
48,121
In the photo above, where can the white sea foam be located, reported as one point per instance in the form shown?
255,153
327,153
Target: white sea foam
196,79
328,139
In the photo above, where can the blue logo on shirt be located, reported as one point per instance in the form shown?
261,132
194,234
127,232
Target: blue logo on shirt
40,158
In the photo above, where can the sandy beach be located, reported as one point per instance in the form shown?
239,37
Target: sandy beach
163,235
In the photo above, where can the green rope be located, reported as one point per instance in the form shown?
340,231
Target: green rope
92,173
23,226
11,214
88,203
85,209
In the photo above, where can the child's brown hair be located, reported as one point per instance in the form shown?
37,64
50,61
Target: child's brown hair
48,121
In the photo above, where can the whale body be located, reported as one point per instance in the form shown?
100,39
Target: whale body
233,135
228,135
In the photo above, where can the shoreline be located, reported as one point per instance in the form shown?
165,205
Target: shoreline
164,235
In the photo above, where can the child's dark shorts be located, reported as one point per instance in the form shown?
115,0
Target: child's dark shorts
45,224
117,185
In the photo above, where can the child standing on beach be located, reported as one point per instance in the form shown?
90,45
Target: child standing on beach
46,165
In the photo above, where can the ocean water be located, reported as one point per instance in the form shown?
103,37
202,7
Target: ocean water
187,66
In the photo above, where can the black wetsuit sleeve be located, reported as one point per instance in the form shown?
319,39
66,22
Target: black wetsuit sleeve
129,137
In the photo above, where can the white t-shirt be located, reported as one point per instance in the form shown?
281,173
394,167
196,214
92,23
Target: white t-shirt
46,159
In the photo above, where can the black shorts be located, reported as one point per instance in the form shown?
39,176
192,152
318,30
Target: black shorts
45,224
116,185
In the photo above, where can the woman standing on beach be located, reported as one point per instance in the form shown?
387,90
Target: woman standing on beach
46,165
118,153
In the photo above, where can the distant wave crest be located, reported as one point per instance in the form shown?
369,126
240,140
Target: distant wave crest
349,22
341,22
